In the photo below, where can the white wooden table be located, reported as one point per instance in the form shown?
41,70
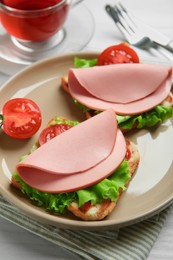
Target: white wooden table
16,243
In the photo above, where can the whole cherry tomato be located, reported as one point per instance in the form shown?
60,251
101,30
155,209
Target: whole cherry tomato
21,118
121,53
51,131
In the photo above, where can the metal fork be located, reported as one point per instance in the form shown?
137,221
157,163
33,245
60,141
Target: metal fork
130,26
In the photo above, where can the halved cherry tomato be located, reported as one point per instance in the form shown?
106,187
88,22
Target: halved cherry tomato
21,118
51,131
121,53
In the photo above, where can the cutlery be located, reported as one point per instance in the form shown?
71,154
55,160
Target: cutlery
136,32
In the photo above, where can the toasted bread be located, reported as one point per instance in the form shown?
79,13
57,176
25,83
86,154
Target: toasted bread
64,83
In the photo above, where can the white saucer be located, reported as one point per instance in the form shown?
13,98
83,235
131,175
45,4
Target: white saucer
77,32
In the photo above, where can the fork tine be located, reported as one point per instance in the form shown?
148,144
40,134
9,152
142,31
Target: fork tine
121,21
127,14
125,18
114,15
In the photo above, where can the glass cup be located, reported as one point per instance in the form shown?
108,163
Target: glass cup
34,24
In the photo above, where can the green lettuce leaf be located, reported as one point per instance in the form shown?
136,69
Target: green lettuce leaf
148,119
84,63
52,202
108,188
58,120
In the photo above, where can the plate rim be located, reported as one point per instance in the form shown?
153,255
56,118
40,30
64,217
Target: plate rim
65,223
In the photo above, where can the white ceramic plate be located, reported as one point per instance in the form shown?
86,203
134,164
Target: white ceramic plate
76,34
150,190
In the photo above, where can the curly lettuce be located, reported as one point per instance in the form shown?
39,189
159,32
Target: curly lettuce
148,119
109,188
84,63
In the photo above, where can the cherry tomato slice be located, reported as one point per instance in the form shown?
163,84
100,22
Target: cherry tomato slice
51,131
121,53
21,118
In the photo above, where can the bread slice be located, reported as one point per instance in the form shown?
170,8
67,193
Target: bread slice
101,210
64,83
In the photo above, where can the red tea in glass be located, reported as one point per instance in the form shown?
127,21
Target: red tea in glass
30,4
33,20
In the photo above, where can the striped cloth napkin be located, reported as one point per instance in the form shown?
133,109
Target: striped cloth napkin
128,243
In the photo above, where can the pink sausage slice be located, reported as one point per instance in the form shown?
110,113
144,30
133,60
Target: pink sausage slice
71,152
136,107
71,160
54,183
126,88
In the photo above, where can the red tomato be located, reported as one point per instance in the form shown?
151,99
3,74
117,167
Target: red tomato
51,131
85,207
121,53
21,118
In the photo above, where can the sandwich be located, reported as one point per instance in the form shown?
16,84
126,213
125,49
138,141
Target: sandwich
81,170
140,94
